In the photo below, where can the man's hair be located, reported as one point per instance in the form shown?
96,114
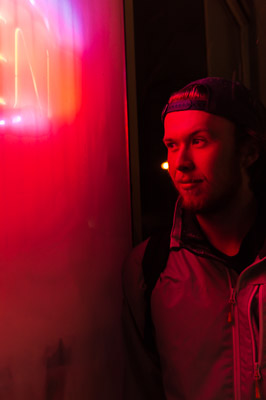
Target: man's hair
257,171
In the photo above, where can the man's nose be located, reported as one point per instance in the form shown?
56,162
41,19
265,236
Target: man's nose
184,161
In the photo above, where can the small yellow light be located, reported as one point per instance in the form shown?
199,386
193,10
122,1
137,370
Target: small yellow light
2,101
165,165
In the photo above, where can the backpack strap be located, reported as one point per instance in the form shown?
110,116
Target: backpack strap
153,263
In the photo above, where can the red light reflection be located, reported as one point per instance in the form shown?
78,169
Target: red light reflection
40,66
64,196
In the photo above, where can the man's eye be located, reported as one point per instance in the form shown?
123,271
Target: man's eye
199,142
171,145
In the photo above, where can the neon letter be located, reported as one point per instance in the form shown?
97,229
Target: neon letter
18,32
2,60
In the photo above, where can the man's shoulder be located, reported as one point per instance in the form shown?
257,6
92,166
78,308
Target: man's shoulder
134,286
132,270
137,253
146,261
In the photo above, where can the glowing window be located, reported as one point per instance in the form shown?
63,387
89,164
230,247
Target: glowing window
40,64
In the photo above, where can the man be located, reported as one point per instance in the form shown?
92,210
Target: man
207,305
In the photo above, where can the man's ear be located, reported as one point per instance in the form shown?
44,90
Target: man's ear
249,153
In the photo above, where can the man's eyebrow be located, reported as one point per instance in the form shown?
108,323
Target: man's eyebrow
169,138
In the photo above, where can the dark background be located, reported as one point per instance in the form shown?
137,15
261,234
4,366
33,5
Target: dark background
170,51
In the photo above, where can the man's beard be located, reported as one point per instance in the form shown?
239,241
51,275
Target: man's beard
209,201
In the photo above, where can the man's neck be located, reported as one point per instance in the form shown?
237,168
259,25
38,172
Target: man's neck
227,228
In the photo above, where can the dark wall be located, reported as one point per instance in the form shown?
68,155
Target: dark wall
170,51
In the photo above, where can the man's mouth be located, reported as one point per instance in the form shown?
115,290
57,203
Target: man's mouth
187,184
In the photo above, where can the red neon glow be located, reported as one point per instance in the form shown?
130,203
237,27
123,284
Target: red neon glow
40,67
64,193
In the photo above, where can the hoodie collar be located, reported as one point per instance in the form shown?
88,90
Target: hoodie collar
187,233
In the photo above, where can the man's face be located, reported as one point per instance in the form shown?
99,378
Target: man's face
203,161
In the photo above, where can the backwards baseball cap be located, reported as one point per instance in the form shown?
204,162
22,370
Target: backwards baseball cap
225,98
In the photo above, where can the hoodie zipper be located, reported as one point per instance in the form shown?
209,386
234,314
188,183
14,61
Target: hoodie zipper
232,302
233,320
256,350
257,377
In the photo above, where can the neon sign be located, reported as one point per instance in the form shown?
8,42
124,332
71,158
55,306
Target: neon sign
40,67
